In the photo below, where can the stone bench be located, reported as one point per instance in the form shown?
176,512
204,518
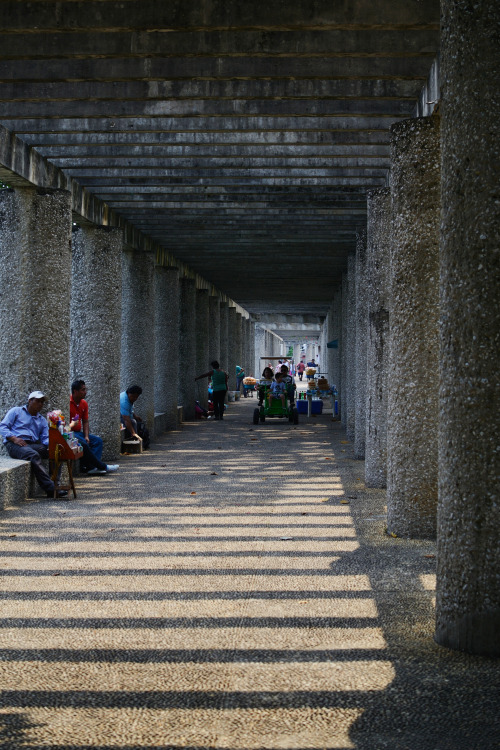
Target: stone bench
14,481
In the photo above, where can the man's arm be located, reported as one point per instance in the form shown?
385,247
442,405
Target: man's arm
130,427
85,430
6,428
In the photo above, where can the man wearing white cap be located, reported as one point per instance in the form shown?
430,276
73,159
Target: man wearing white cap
26,436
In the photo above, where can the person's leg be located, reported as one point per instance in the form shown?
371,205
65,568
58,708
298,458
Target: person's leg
220,396
89,460
134,425
34,454
95,446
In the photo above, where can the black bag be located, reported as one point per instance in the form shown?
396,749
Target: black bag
143,433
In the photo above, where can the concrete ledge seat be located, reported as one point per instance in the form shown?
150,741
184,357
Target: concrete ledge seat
14,481
131,445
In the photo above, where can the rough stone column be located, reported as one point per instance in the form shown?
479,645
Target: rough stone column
343,352
202,345
252,352
224,315
378,254
138,330
238,344
350,380
35,283
232,351
213,328
167,338
412,399
361,343
96,307
167,345
334,373
260,350
468,590
187,347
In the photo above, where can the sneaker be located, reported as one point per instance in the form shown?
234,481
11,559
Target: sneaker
112,467
95,470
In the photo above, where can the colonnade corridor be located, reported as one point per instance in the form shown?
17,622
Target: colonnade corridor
232,588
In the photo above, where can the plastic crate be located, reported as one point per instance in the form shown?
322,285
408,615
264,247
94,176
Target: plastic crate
316,406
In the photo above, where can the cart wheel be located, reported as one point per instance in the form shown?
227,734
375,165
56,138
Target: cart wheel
262,418
256,415
295,415
290,416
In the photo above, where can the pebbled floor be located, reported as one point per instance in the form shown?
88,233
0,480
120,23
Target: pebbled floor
231,588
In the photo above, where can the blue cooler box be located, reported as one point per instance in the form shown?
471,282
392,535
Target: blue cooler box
316,406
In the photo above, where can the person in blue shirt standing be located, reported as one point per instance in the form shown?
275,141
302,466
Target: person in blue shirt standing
25,435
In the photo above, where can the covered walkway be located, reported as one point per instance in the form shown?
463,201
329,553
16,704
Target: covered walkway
232,588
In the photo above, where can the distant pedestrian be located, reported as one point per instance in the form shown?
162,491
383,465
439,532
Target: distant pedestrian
219,388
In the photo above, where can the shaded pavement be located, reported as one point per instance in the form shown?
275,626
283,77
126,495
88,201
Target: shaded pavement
231,588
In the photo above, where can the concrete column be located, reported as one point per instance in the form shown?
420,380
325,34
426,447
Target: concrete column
202,345
260,350
343,352
232,352
35,283
238,343
350,382
361,343
187,347
468,594
378,254
412,403
167,345
214,329
224,315
251,339
334,372
138,327
96,307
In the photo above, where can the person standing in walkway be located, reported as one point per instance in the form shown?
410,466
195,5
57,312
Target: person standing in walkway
219,387
300,370
25,435
240,374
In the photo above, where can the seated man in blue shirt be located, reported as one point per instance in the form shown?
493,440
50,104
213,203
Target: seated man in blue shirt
128,416
26,437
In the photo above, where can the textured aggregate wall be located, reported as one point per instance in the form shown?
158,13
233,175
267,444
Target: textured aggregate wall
138,330
260,350
412,403
96,305
335,372
224,316
187,347
468,585
350,348
213,328
202,345
379,237
360,349
232,353
238,339
252,353
167,344
35,283
343,353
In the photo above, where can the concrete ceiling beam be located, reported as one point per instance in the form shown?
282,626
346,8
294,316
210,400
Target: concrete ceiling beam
123,68
222,89
225,42
191,14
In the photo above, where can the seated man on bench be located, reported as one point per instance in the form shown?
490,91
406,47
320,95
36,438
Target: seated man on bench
26,437
79,423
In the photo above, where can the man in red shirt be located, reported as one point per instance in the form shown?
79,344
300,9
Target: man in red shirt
79,424
300,370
